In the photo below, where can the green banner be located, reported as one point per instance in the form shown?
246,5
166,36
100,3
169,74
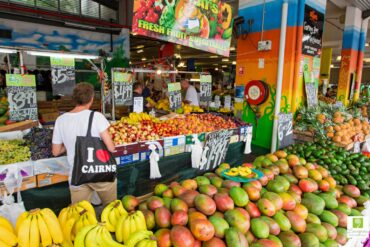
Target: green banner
202,24
18,80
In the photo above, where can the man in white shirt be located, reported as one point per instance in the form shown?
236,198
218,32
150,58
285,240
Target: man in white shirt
191,93
75,123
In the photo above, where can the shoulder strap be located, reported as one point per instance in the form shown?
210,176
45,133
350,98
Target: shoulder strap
88,134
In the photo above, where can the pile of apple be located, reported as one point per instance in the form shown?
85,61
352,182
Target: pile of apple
294,204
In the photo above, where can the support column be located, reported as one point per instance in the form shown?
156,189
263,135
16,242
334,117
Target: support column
350,53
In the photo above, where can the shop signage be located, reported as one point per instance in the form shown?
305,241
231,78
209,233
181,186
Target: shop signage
205,88
22,97
174,94
215,149
285,130
201,24
312,31
138,104
122,85
62,75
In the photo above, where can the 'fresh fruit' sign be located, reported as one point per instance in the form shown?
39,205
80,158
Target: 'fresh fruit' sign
201,24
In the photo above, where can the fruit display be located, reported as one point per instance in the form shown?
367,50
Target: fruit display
111,213
13,151
242,171
40,141
327,100
4,115
164,105
345,167
95,235
8,236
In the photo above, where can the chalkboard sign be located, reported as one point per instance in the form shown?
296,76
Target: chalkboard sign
215,149
174,91
285,130
62,75
22,97
122,85
205,88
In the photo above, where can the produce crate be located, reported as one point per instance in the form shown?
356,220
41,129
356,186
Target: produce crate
133,148
28,124
49,179
174,145
303,136
27,183
127,159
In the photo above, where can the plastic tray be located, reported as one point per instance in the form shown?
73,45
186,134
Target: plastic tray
241,179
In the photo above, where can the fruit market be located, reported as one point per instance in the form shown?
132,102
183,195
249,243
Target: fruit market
202,123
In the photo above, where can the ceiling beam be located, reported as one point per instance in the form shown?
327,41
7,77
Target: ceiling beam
113,4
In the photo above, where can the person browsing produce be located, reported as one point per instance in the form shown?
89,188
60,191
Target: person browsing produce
74,124
191,96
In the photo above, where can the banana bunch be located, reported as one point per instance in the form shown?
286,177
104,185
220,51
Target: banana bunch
224,110
75,217
196,109
38,227
95,235
112,213
129,224
142,238
242,171
7,235
151,102
163,104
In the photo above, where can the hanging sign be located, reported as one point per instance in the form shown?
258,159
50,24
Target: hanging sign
62,75
285,130
215,149
22,97
174,91
205,25
205,88
312,31
138,104
122,86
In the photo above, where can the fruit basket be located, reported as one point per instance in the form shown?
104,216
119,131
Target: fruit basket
242,174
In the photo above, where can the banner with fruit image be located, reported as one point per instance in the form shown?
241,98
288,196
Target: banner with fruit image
201,24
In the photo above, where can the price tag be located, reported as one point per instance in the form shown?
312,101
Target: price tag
138,104
285,130
22,97
122,86
174,91
205,88
311,94
62,75
228,102
357,147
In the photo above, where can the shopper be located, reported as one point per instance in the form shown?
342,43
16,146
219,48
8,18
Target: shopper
75,123
191,95
148,90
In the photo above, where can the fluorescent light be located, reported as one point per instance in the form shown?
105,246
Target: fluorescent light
194,79
234,62
159,72
139,46
215,64
224,66
130,62
134,34
216,69
213,56
143,59
339,58
63,55
232,48
331,65
366,44
8,51
181,64
140,51
225,60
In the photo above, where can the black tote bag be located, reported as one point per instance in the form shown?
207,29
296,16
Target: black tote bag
93,163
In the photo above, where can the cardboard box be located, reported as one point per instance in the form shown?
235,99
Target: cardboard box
174,145
174,150
127,159
145,155
49,179
27,183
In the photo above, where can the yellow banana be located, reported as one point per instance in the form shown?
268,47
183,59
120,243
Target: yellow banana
119,228
113,217
105,217
2,244
126,229
137,237
91,218
67,230
143,243
85,221
34,232
45,236
24,232
7,236
5,223
63,216
121,209
132,224
92,237
20,219
53,225
78,225
107,240
140,221
87,206
80,237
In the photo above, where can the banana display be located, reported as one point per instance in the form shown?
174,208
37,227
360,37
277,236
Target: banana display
38,227
7,234
241,171
94,236
164,104
129,224
142,238
135,118
112,213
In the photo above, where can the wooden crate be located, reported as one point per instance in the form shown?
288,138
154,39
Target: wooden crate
28,124
27,183
47,179
303,136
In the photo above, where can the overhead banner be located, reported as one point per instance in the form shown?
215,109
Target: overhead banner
22,97
62,75
202,24
312,31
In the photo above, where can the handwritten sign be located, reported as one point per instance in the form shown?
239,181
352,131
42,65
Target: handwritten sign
174,91
205,88
138,104
22,97
215,149
285,130
122,86
62,75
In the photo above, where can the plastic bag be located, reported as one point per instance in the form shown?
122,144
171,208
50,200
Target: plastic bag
153,159
248,140
196,152
10,209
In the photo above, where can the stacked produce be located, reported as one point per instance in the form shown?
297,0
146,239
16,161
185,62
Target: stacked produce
327,100
13,151
164,104
40,141
4,115
345,167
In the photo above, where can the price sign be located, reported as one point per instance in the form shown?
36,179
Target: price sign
285,130
122,86
174,91
205,88
22,97
215,149
138,104
62,75
338,104
357,147
311,94
228,102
